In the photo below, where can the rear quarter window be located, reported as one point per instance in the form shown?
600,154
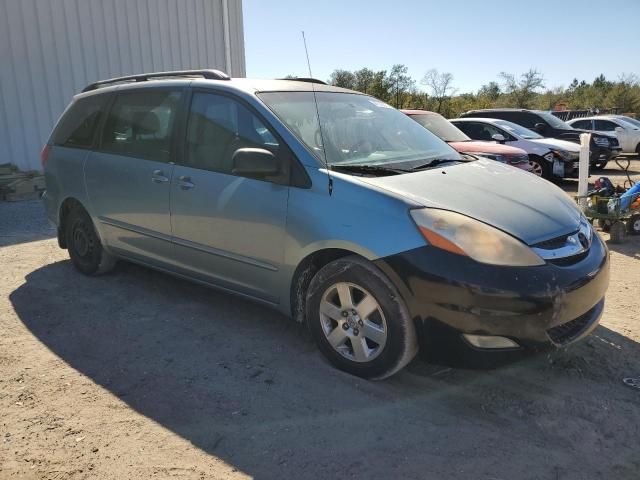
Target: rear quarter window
78,125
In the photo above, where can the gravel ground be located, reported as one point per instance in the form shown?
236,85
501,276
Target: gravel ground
141,375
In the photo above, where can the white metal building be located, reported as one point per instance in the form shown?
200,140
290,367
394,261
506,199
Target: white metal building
51,49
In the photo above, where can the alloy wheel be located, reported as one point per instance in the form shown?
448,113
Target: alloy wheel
536,168
353,322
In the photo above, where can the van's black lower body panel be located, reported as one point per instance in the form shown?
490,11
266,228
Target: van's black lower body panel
449,295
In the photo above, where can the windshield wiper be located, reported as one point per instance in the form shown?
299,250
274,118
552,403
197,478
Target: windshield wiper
436,162
368,168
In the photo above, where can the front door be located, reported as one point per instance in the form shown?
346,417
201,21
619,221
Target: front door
228,229
129,176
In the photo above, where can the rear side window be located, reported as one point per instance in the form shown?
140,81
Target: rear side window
605,126
140,124
585,124
78,125
526,119
218,126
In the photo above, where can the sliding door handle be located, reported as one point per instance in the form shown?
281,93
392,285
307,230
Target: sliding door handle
158,177
185,183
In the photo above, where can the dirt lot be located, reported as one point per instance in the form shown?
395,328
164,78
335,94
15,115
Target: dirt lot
140,375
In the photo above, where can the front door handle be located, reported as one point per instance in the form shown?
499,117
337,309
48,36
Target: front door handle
185,183
158,177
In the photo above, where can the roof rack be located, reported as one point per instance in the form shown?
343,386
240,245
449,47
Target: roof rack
304,79
209,74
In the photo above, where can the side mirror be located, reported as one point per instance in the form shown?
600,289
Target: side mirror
619,129
255,162
540,127
498,137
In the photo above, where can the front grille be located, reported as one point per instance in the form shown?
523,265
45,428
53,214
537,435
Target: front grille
554,243
565,333
566,261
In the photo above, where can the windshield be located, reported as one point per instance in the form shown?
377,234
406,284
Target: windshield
356,129
440,127
517,130
554,121
631,122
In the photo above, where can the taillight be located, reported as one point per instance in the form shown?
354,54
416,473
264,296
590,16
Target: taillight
44,154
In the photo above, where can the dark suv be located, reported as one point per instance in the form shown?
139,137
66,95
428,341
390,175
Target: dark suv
603,147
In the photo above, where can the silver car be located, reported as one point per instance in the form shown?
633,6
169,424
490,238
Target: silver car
328,205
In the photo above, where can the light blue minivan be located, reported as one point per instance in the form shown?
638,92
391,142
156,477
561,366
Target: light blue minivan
329,205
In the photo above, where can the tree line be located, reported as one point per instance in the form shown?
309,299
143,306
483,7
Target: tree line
525,90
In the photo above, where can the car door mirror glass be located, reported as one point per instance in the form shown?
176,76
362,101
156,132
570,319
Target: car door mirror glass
539,127
255,162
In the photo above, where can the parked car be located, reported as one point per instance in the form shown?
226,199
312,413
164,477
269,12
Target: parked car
328,205
603,146
627,131
549,157
442,128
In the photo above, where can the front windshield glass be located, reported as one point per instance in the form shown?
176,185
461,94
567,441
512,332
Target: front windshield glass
440,127
518,130
633,121
356,129
554,121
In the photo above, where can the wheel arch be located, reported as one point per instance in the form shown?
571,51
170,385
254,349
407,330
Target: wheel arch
63,212
306,270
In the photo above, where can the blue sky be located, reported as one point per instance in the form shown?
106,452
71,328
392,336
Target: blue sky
474,40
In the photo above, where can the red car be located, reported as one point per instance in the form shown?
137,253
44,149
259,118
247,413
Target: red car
441,127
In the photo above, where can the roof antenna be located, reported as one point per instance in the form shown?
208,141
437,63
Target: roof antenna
315,100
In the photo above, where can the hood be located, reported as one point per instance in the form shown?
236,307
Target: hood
517,202
486,147
557,143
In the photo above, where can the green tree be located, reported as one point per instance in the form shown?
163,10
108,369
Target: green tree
343,78
491,91
400,82
521,90
364,79
624,94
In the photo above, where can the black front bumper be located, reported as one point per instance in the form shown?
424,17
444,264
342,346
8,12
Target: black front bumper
448,295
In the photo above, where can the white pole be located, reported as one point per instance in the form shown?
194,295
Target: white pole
583,164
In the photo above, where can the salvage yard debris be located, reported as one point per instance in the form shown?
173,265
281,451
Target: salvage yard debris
16,185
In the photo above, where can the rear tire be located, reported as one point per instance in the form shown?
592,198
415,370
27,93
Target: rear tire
633,224
604,225
359,320
85,249
617,232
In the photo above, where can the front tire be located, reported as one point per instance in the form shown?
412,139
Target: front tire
540,167
601,165
358,319
85,249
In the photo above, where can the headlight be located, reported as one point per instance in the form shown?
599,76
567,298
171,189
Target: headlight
462,235
586,228
601,141
493,156
562,154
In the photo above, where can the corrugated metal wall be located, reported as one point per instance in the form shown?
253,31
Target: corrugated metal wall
51,49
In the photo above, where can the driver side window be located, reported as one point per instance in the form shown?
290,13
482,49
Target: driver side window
483,131
217,127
